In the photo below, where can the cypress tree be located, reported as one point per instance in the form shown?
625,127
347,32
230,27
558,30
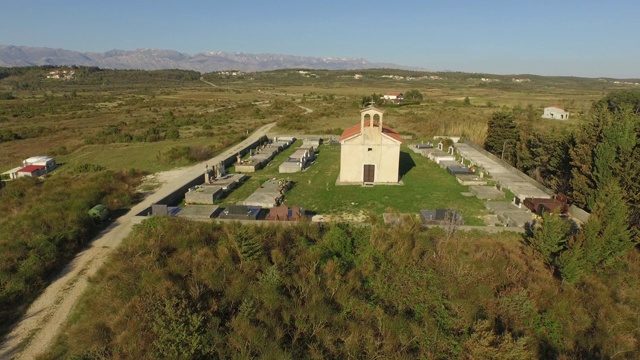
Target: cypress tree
571,263
549,238
502,135
607,233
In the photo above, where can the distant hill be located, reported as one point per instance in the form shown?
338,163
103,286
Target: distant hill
153,59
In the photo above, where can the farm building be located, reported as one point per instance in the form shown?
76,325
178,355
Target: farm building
369,151
395,97
48,162
10,174
32,170
556,113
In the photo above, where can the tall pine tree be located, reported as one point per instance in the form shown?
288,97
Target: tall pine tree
549,237
502,135
607,233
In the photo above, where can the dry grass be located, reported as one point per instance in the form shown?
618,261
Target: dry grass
219,113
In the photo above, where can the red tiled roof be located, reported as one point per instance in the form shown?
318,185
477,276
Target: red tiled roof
355,130
31,168
557,107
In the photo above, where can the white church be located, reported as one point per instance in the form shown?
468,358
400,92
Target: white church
370,151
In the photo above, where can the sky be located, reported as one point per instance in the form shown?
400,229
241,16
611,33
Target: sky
590,38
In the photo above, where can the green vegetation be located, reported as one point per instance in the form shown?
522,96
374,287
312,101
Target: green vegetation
601,153
203,290
600,179
209,290
43,225
502,134
413,95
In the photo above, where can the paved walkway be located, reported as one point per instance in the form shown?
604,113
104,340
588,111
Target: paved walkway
37,329
509,179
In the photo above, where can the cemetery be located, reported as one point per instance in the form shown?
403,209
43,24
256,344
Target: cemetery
299,160
442,180
262,155
269,194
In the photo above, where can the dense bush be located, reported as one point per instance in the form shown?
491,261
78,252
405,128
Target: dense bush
204,290
6,96
186,154
43,224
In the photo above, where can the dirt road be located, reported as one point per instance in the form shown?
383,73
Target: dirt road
37,329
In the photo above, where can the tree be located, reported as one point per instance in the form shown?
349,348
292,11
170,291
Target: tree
466,101
173,133
339,245
413,95
502,134
246,245
571,263
606,236
549,237
619,100
180,331
620,128
373,99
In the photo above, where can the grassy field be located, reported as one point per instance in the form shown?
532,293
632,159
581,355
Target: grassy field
425,186
121,119
142,156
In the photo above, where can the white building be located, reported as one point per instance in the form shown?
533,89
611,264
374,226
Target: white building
48,162
370,151
11,174
555,112
396,97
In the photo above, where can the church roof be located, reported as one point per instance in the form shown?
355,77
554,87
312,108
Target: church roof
355,130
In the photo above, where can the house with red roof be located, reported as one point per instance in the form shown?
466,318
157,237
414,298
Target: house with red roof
32,170
370,151
395,97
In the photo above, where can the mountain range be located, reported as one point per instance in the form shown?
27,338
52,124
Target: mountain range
154,59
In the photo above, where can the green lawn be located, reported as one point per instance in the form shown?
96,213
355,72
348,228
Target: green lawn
426,186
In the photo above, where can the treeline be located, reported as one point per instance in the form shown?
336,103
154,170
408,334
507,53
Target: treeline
121,133
25,132
180,289
565,161
94,75
33,78
597,168
44,223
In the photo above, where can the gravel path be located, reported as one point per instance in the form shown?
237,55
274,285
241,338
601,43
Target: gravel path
37,329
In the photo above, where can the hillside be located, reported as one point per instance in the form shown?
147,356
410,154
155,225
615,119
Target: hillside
203,290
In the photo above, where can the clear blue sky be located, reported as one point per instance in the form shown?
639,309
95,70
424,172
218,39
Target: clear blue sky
583,38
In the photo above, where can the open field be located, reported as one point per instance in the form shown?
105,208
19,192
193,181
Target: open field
149,110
